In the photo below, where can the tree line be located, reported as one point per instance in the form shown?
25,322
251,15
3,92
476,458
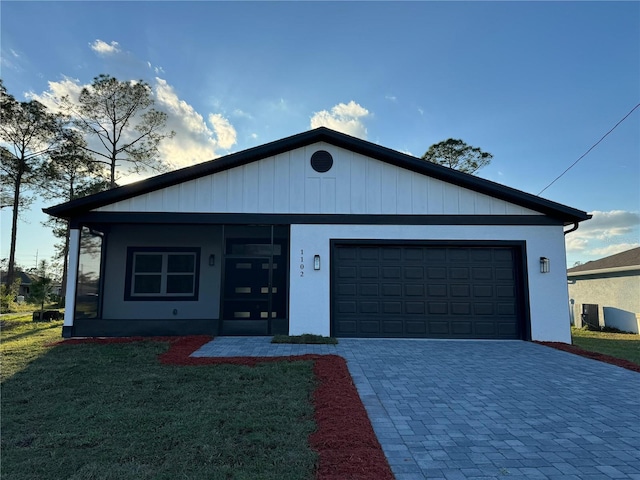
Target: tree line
88,143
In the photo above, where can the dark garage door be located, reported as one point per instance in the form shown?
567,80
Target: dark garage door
426,291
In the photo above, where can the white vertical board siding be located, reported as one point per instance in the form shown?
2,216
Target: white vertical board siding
286,183
309,296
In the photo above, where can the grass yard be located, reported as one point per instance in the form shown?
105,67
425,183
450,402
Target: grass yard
95,411
619,345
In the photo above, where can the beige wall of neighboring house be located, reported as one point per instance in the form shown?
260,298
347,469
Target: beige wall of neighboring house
616,293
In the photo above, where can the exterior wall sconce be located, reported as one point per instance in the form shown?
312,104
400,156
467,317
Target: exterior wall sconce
544,265
212,260
316,262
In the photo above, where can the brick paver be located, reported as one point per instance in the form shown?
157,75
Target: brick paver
485,409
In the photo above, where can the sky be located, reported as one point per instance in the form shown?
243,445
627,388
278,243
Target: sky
536,84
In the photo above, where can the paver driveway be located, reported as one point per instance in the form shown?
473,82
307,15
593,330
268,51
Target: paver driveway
485,409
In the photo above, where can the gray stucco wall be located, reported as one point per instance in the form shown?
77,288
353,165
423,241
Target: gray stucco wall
208,238
616,294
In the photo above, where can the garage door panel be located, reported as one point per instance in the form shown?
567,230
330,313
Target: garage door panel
436,273
437,290
391,307
484,309
414,308
414,328
391,272
504,273
460,290
393,327
391,289
346,307
483,291
460,308
347,272
369,307
441,327
369,326
459,273
506,309
461,328
370,290
426,291
413,273
414,290
485,329
505,291
368,272
438,308
346,289
482,273
458,255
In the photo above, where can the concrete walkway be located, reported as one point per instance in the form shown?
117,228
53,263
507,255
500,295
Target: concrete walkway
485,409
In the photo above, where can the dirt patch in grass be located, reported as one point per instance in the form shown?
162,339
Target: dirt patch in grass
593,355
347,446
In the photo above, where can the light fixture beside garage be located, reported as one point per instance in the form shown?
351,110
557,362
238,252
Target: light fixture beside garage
544,265
316,262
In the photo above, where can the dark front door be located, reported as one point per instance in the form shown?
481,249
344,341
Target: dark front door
254,297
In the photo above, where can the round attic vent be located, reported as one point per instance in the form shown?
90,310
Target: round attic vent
321,161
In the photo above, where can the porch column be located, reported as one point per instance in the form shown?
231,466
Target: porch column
72,281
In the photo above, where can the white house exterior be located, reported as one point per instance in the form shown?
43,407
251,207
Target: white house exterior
318,233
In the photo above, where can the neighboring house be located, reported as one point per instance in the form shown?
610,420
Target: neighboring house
613,284
26,280
318,233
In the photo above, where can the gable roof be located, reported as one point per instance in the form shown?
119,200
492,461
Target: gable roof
627,260
82,205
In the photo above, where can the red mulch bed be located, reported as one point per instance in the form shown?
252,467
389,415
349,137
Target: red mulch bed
347,447
594,355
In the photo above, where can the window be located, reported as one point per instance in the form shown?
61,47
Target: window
162,273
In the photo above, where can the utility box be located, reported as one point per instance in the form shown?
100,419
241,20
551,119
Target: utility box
589,316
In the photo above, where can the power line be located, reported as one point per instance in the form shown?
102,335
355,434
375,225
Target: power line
592,147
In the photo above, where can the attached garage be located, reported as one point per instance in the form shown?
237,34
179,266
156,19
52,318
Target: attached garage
318,233
399,289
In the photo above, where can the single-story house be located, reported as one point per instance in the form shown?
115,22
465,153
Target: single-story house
26,280
609,289
318,233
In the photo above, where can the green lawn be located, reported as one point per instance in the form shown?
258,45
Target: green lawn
113,411
619,345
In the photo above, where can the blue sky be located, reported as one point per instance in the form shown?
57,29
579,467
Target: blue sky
534,83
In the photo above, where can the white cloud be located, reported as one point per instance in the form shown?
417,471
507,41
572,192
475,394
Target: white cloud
605,234
14,53
613,249
605,225
194,141
391,98
344,117
224,130
242,114
104,48
70,87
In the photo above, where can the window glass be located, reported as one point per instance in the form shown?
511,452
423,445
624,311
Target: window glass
147,284
88,283
181,263
179,283
158,273
146,262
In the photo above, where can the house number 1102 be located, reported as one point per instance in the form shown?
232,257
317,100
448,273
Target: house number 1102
302,263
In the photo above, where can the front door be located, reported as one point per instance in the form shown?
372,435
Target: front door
254,296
